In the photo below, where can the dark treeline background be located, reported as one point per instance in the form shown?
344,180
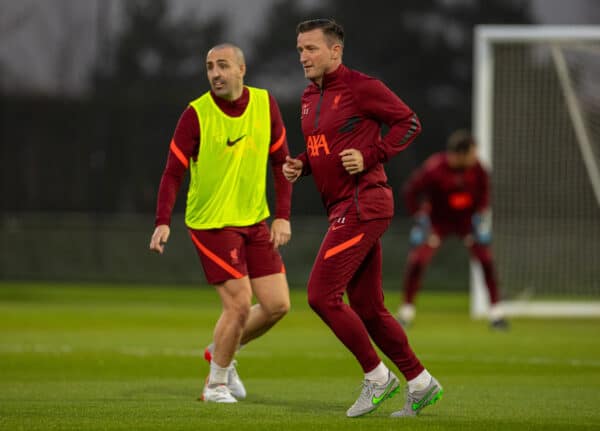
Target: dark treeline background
104,151
81,165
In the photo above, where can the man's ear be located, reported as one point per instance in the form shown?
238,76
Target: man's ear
336,51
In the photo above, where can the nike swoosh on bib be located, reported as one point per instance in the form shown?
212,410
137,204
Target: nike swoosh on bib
232,143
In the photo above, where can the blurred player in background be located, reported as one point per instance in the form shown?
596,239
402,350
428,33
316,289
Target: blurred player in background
449,195
342,114
226,139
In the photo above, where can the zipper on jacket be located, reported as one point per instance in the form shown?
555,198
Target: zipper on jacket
356,198
318,112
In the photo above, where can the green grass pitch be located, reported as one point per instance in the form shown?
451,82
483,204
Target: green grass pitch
129,358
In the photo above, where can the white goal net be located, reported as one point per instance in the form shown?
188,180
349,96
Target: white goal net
537,118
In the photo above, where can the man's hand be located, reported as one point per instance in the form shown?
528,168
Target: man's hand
353,161
482,229
292,169
160,238
281,232
421,232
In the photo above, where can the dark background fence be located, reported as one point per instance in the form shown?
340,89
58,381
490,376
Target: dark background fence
114,248
82,158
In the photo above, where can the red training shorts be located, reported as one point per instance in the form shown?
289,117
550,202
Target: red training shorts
234,252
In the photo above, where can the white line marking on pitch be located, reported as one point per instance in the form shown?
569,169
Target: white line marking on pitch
141,351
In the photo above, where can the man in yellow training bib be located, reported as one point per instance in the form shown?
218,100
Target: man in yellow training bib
225,138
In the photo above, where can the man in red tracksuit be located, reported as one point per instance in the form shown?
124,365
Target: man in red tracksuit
449,195
342,114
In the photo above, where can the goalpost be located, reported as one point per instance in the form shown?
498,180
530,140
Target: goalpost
536,115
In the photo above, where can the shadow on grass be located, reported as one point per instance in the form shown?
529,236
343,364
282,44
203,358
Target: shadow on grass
297,405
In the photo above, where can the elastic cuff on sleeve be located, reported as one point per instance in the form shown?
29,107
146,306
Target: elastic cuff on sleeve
160,221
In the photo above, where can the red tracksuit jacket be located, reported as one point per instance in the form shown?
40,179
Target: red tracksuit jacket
449,196
347,112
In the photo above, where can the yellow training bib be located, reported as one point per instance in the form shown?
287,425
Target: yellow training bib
228,181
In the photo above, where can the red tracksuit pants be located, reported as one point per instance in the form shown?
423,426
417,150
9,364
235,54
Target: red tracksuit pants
350,261
420,256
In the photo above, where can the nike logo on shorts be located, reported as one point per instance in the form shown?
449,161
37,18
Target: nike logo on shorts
340,223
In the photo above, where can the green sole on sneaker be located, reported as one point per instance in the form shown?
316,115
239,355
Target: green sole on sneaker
387,397
432,401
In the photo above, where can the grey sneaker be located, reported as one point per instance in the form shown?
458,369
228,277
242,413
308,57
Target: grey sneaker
405,315
500,324
417,400
372,395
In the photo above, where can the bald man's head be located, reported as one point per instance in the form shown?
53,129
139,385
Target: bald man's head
237,51
225,69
